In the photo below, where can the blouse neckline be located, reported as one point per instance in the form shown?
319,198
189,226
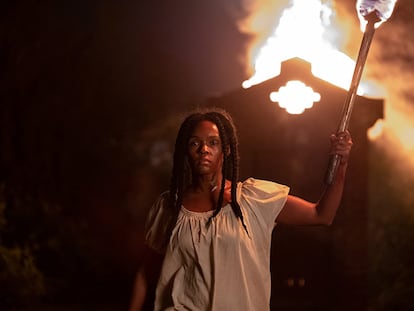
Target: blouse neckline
208,214
202,214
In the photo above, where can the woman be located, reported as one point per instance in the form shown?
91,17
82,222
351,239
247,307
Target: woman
213,231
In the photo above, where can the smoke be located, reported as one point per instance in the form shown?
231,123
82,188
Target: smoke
391,64
257,19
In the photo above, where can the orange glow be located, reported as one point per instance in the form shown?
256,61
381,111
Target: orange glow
376,130
295,97
405,133
302,32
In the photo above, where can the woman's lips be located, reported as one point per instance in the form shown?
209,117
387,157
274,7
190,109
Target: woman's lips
204,161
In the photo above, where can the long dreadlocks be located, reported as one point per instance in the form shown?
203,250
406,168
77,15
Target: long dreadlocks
182,174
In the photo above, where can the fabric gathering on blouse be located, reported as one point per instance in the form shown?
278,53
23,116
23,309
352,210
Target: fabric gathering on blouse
216,265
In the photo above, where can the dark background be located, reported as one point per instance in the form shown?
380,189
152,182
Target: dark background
91,96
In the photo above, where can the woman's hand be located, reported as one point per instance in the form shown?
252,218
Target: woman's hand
341,144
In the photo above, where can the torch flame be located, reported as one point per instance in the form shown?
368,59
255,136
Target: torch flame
382,8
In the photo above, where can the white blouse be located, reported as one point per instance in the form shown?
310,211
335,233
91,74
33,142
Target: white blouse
216,265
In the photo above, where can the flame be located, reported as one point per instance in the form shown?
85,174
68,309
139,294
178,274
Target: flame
382,8
302,32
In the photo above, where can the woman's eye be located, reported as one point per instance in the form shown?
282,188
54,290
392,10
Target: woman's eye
214,142
193,143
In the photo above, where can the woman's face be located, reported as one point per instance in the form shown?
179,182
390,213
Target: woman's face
205,149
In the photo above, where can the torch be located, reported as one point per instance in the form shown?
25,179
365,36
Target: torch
371,13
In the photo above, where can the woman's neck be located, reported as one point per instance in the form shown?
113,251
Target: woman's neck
206,183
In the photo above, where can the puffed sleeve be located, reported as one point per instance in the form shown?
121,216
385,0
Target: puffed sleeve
264,198
159,217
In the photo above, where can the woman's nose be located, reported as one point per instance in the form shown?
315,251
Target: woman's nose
203,148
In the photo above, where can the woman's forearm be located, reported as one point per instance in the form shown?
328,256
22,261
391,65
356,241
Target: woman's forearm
331,198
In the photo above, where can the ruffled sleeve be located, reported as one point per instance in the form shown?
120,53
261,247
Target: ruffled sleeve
265,198
156,227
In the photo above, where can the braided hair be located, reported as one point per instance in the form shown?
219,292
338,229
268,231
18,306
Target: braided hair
182,173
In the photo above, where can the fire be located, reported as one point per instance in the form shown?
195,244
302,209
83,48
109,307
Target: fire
302,32
382,8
